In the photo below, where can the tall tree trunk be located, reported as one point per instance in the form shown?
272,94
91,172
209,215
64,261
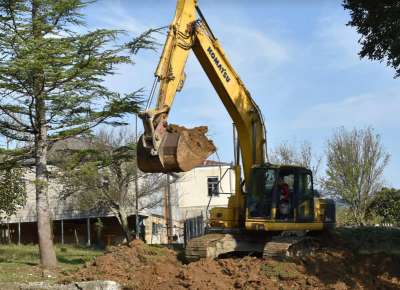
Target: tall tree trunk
46,247
123,220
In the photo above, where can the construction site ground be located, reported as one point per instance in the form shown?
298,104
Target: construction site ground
349,258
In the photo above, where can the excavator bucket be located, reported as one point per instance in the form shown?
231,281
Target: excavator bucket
180,150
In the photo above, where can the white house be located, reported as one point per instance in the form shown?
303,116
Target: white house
202,188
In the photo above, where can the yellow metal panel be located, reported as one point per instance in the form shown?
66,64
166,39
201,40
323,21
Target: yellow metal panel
170,69
273,213
282,226
236,99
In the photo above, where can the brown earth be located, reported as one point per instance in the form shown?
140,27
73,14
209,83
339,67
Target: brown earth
192,147
181,149
139,266
195,140
196,134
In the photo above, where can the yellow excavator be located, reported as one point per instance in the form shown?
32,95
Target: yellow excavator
273,205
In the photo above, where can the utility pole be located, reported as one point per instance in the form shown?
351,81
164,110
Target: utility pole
137,236
168,209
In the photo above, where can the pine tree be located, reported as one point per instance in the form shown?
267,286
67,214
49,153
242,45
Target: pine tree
51,87
12,191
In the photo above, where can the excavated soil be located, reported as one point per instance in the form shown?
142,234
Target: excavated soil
196,137
139,266
193,147
181,149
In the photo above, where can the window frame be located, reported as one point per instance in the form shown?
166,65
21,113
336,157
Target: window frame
214,184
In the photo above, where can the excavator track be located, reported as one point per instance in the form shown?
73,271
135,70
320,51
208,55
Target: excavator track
211,246
202,247
291,244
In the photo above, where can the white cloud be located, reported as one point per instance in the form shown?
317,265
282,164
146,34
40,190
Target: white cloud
116,15
250,51
377,109
254,45
337,42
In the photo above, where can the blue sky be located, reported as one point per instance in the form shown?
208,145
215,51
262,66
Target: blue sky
298,60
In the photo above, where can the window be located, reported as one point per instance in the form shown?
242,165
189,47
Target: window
212,185
286,191
305,186
305,197
156,228
287,178
260,199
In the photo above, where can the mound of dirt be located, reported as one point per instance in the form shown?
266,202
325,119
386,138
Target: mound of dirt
136,265
193,146
196,136
140,266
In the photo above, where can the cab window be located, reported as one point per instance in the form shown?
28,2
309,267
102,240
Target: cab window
305,197
260,198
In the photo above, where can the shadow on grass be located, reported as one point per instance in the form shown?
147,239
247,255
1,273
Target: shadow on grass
70,261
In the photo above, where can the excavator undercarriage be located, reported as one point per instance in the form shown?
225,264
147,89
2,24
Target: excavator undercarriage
285,244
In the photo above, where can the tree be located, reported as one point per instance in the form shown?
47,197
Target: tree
287,154
386,205
51,87
284,153
379,26
102,178
12,191
355,164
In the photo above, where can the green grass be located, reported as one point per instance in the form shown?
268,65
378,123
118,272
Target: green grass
282,270
21,263
370,240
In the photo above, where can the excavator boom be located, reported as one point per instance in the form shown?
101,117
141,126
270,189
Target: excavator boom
170,148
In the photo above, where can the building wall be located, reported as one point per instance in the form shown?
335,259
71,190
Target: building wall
190,190
60,208
156,230
189,197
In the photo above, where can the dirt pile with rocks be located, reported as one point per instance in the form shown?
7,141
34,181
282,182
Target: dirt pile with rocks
137,266
193,146
196,136
140,266
181,149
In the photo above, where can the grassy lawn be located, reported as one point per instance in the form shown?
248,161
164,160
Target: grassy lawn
20,263
371,240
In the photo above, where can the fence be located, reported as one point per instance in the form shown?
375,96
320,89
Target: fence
193,227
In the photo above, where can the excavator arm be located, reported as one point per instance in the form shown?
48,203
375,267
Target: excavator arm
237,100
170,74
163,147
160,147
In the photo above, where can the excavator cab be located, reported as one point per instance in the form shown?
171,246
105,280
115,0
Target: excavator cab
283,193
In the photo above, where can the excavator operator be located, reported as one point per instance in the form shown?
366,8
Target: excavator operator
284,199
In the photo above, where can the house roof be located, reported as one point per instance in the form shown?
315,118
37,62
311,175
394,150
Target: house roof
214,163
